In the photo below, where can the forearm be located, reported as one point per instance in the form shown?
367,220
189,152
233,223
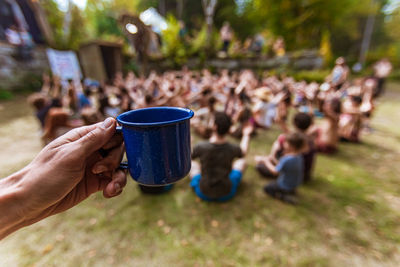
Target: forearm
271,167
244,144
11,198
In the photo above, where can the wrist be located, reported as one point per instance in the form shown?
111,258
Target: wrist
11,203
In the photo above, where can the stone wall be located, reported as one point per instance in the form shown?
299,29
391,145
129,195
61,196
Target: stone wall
14,72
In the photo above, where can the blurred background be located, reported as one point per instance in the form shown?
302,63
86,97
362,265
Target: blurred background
178,33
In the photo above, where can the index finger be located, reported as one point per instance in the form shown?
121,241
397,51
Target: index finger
115,141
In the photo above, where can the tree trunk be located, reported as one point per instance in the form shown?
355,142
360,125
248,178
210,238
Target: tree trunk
209,9
162,6
179,8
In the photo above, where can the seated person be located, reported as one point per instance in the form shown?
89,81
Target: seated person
57,123
290,168
327,135
90,116
242,117
302,122
350,119
42,105
264,110
218,181
204,119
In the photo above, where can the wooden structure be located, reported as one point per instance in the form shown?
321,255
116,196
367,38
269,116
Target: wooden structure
100,60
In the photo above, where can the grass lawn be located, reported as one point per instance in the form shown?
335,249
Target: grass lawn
349,215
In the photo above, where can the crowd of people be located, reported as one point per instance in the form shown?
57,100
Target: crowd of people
312,117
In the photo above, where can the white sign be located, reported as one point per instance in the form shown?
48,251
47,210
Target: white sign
64,64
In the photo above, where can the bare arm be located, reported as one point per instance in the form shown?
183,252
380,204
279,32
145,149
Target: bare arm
10,196
271,167
244,143
64,173
274,149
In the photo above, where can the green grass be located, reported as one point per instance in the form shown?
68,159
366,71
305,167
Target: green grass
347,216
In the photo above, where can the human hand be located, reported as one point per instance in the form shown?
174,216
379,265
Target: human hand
70,169
247,129
259,158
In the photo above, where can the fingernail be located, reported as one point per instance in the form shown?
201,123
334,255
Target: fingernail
99,169
107,123
117,188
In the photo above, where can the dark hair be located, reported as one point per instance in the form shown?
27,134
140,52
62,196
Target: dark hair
296,140
124,91
37,100
288,95
223,123
103,104
336,105
87,91
245,115
356,99
244,98
206,91
148,99
211,101
302,121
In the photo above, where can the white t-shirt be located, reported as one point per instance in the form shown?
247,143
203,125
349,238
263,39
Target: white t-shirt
267,113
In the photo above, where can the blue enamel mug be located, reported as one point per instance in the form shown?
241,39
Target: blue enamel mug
157,143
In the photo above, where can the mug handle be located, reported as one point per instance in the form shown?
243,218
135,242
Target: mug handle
123,165
118,129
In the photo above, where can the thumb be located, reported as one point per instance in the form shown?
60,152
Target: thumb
92,140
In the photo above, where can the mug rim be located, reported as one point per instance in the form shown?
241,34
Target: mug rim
189,115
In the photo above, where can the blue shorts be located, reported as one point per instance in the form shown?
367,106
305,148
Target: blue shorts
235,176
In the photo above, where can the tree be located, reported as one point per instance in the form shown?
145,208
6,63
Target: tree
209,9
77,30
55,19
393,24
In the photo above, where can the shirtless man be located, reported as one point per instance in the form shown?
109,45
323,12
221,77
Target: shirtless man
327,133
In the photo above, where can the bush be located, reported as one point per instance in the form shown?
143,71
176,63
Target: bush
30,82
395,75
172,45
5,95
131,65
198,45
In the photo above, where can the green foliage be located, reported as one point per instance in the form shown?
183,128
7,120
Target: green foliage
102,20
77,30
304,23
131,65
395,75
243,26
334,26
199,46
326,49
5,94
30,82
172,45
393,24
55,18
